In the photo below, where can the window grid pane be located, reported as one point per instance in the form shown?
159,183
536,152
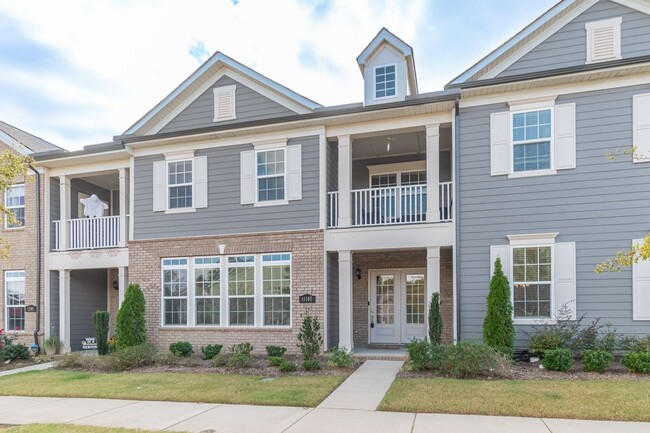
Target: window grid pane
532,273
385,81
276,290
270,175
15,300
241,292
15,203
175,294
531,133
180,184
207,290
415,302
385,299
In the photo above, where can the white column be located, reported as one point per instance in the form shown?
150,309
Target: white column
345,300
122,281
123,193
64,309
433,173
433,272
64,212
345,181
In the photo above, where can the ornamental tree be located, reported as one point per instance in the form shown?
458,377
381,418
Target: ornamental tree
498,327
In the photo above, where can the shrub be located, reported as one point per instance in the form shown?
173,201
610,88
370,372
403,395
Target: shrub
558,359
52,344
211,350
241,349
311,364
131,327
469,359
112,344
168,358
15,351
181,348
340,357
309,337
220,360
287,367
240,355
637,362
596,360
100,321
636,344
275,351
81,361
419,353
275,361
435,320
498,328
130,357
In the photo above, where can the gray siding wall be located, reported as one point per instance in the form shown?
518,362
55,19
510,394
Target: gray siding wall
87,295
225,214
249,105
332,300
601,205
568,46
54,303
55,208
332,166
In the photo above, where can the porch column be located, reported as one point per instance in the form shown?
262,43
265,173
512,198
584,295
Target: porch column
64,309
122,281
433,173
124,203
64,212
345,300
345,181
433,272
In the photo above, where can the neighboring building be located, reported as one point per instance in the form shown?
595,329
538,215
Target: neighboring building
235,199
19,274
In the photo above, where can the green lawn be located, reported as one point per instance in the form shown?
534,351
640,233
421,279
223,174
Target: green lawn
307,391
586,399
68,428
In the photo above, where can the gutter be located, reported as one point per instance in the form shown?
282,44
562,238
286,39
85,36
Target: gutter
456,216
39,253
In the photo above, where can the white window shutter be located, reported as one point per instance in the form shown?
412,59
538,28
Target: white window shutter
565,136
201,181
294,172
248,177
641,127
159,186
565,278
500,159
502,251
641,288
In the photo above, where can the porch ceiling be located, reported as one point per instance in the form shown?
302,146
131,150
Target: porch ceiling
403,143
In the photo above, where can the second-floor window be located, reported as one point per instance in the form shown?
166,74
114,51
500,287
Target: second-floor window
270,175
179,184
531,140
15,203
385,82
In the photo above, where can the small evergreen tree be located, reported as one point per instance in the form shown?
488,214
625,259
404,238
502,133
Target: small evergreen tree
310,337
100,320
498,328
435,320
131,328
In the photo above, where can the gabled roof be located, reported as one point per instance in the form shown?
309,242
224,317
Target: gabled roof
205,72
532,35
386,37
22,141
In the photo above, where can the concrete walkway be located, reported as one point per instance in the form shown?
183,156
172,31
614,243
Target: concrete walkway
35,367
222,418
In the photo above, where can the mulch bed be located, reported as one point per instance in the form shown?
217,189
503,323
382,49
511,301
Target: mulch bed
16,363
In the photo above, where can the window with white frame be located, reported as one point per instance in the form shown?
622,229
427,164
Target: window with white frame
175,291
241,290
15,300
531,140
276,289
207,291
532,281
15,203
179,184
270,175
385,81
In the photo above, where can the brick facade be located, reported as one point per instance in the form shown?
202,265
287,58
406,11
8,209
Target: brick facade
399,260
306,274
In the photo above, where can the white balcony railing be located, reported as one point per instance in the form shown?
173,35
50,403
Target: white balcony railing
89,233
391,205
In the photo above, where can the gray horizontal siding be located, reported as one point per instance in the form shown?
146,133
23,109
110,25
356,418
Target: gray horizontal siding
87,295
568,46
249,105
601,205
225,214
55,208
54,303
332,300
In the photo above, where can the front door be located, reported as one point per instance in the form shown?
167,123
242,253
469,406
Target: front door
397,305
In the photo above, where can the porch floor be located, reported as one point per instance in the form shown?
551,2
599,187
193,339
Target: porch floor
366,353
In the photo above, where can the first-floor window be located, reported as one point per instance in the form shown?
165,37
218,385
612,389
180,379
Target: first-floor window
207,290
175,291
241,290
276,289
532,281
15,300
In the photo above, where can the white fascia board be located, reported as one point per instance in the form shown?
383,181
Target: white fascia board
384,35
639,5
14,144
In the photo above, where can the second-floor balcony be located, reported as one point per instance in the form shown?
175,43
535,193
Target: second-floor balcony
89,233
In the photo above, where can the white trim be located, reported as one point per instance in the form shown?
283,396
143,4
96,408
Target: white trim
14,144
270,202
374,82
168,186
615,25
639,5
640,128
532,173
532,104
322,182
533,239
264,149
270,144
179,155
539,106
231,91
398,167
188,309
552,310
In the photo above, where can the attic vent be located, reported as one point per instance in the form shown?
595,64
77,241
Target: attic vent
604,40
224,103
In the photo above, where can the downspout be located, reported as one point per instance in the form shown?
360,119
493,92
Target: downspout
36,346
456,209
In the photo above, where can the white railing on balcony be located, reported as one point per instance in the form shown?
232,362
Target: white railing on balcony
391,205
89,233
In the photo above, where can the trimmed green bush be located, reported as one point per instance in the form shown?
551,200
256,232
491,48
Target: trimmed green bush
287,367
240,355
15,351
275,351
468,359
131,357
131,327
211,350
637,362
498,327
596,360
340,357
100,321
309,337
425,355
241,349
311,364
275,361
181,348
435,320
558,360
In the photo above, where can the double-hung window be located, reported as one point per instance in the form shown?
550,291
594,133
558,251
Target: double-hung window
207,291
532,140
385,81
179,184
15,300
532,281
270,175
276,289
241,290
15,203
175,291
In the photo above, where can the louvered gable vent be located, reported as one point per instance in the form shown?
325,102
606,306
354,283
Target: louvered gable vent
603,40
224,103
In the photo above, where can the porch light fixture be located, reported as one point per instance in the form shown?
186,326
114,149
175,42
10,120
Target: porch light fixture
358,273
116,286
388,144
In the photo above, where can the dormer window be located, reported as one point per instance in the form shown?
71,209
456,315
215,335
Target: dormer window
385,81
604,40
224,103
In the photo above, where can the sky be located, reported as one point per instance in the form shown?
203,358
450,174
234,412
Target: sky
78,72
